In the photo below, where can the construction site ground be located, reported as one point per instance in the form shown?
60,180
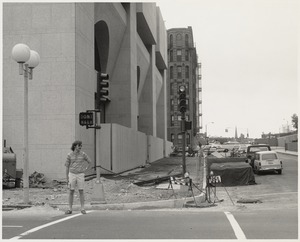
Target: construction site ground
118,188
121,188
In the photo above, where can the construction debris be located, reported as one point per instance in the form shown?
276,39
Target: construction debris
249,200
36,179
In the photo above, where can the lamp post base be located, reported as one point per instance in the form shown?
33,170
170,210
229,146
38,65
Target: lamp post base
98,193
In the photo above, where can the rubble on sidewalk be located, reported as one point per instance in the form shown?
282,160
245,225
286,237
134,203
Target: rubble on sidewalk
117,188
36,179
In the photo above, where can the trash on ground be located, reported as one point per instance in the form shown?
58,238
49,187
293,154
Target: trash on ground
37,179
249,200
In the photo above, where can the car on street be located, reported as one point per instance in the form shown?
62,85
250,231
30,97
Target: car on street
267,161
251,151
208,149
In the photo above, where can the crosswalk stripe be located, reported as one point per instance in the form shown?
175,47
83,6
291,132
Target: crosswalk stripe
46,225
235,226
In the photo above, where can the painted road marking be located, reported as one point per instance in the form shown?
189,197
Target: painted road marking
12,226
47,225
235,226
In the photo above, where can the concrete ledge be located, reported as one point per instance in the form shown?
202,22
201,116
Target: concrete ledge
173,203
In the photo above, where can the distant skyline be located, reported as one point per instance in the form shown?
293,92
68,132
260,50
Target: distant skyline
248,50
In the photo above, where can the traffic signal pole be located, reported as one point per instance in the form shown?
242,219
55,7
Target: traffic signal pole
183,143
182,109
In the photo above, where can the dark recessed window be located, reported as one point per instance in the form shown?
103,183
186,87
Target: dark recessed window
187,40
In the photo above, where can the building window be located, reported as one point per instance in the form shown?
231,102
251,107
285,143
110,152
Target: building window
179,54
172,120
187,40
178,40
171,88
186,55
187,71
171,72
172,104
179,75
171,40
188,140
172,138
179,138
171,55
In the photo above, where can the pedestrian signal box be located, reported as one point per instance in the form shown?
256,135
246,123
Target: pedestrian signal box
86,118
188,125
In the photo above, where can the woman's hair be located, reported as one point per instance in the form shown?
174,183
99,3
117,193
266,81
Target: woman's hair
77,142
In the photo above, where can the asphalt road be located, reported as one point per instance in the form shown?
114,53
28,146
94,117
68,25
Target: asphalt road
170,224
276,217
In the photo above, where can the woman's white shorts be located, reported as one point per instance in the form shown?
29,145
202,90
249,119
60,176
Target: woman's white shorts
76,179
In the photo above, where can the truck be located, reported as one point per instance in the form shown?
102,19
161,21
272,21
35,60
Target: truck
251,151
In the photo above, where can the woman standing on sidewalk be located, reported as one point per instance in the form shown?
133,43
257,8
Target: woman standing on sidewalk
76,165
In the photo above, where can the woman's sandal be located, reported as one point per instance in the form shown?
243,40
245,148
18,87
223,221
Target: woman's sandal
68,212
83,211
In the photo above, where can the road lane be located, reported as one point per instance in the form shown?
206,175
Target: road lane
274,218
175,224
33,230
269,224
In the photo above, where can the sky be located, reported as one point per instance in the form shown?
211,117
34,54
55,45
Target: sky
248,50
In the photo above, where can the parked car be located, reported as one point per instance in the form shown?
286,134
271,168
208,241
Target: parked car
251,151
208,149
267,161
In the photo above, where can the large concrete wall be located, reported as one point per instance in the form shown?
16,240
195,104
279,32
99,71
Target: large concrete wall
85,74
121,148
290,142
64,83
122,63
50,30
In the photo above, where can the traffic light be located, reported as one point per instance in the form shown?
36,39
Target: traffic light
103,87
182,99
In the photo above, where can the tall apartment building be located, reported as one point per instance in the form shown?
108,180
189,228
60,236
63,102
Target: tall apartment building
183,69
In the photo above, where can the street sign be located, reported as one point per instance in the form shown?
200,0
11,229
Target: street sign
214,179
86,119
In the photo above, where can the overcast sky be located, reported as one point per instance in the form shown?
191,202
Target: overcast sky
248,51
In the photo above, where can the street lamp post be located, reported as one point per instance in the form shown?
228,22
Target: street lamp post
27,59
206,131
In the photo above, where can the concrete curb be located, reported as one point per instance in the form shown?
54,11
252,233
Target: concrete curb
173,203
12,207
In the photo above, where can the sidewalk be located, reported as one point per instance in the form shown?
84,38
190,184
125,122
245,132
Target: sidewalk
288,152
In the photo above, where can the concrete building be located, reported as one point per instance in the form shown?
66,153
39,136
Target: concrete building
183,69
76,41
